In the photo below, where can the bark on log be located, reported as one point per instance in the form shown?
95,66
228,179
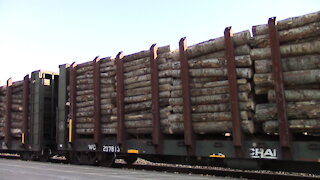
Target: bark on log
217,116
82,87
217,44
109,74
84,76
209,99
145,97
210,127
137,79
136,67
297,95
244,106
300,110
299,49
212,91
16,107
84,104
241,72
146,53
147,83
84,92
289,64
290,78
295,126
139,72
84,98
288,23
240,61
295,34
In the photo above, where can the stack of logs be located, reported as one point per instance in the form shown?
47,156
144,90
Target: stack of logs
84,98
2,109
85,95
16,109
138,90
209,88
299,48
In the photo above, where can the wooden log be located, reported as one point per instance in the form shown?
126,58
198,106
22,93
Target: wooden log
108,95
240,61
297,95
109,74
212,91
84,98
209,99
244,106
241,72
16,101
298,110
145,97
107,69
294,34
148,83
107,89
295,126
216,116
145,53
210,127
84,104
288,23
290,78
16,107
138,72
81,87
84,76
136,67
289,64
217,44
141,106
85,109
84,92
137,79
84,114
298,49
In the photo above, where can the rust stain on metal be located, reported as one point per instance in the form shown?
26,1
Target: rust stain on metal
120,99
284,133
188,129
234,101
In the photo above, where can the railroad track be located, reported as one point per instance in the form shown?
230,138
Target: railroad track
217,171
200,170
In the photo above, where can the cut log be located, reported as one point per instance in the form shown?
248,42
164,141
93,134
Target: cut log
84,98
289,64
210,127
210,99
295,126
138,72
240,61
290,78
299,49
294,34
84,104
217,116
297,95
217,44
241,72
288,23
299,110
141,98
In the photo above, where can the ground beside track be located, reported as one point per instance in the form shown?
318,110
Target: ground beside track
13,169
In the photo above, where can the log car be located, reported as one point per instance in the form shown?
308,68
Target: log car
29,116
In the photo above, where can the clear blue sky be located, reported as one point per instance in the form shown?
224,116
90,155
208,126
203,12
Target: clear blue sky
41,34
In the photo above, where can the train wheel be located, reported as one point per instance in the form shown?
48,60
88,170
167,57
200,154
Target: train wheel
45,155
27,156
74,158
107,160
130,160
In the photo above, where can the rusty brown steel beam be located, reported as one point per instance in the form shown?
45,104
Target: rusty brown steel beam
156,127
7,125
72,84
284,132
96,96
188,129
120,99
237,134
25,109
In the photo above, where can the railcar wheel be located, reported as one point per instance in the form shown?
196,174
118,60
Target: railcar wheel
106,160
74,158
45,155
27,156
130,160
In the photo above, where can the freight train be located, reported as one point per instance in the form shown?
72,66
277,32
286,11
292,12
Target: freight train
237,101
